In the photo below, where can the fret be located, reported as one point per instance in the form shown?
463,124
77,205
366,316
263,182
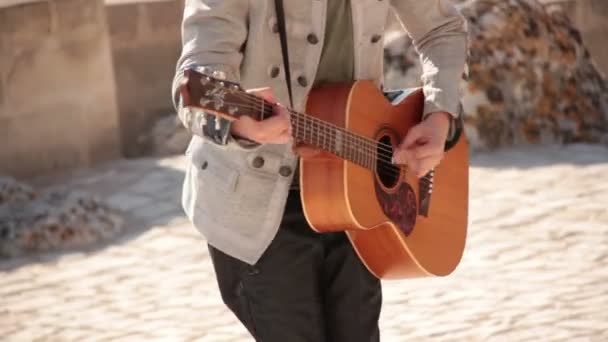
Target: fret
303,129
344,145
370,156
262,112
323,135
295,126
330,136
316,130
301,121
311,126
307,128
349,146
352,148
359,150
335,140
362,152
365,157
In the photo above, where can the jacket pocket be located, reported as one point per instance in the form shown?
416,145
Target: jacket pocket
212,171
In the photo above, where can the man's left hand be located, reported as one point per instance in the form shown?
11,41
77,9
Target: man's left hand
422,147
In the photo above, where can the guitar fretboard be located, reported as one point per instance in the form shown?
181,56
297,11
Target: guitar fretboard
328,137
333,139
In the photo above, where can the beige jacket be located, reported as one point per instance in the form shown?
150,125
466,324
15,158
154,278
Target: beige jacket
236,203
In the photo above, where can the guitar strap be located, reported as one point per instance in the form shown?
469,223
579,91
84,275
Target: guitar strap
285,52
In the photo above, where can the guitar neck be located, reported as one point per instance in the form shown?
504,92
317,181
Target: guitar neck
335,140
326,136
229,100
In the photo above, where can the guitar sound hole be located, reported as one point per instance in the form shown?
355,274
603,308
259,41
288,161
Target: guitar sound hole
388,174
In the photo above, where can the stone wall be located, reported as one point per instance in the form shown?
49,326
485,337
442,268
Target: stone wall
57,96
146,42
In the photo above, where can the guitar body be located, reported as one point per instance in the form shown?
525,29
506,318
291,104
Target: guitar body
397,226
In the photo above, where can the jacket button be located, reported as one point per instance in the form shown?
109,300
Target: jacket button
285,171
257,162
274,71
204,165
275,28
302,81
376,38
312,39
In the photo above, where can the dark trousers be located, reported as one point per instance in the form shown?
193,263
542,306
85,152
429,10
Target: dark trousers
306,287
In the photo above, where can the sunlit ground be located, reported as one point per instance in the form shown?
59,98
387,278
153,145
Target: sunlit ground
534,267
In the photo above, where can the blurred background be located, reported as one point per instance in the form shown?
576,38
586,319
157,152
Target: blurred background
94,244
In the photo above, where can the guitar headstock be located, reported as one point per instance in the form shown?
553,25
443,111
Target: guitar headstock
219,97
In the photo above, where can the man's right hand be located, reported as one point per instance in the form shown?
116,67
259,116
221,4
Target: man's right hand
274,130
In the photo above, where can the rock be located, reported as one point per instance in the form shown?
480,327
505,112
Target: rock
56,219
12,191
530,78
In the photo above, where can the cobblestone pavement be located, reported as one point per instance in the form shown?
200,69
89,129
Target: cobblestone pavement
534,268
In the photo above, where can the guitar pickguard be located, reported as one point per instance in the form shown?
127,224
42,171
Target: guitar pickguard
399,206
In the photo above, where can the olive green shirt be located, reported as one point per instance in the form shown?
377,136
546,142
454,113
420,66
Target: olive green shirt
337,61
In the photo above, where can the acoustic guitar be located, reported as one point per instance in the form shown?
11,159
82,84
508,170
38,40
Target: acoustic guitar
401,226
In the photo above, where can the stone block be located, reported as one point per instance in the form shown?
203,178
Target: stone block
27,24
146,42
58,103
164,15
64,73
123,23
34,144
133,70
79,16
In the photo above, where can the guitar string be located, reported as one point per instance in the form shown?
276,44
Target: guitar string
254,100
366,143
369,151
369,143
268,109
319,134
386,161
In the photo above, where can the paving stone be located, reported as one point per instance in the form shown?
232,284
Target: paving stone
128,201
534,269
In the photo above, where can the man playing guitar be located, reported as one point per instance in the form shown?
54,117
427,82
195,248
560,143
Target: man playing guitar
281,279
